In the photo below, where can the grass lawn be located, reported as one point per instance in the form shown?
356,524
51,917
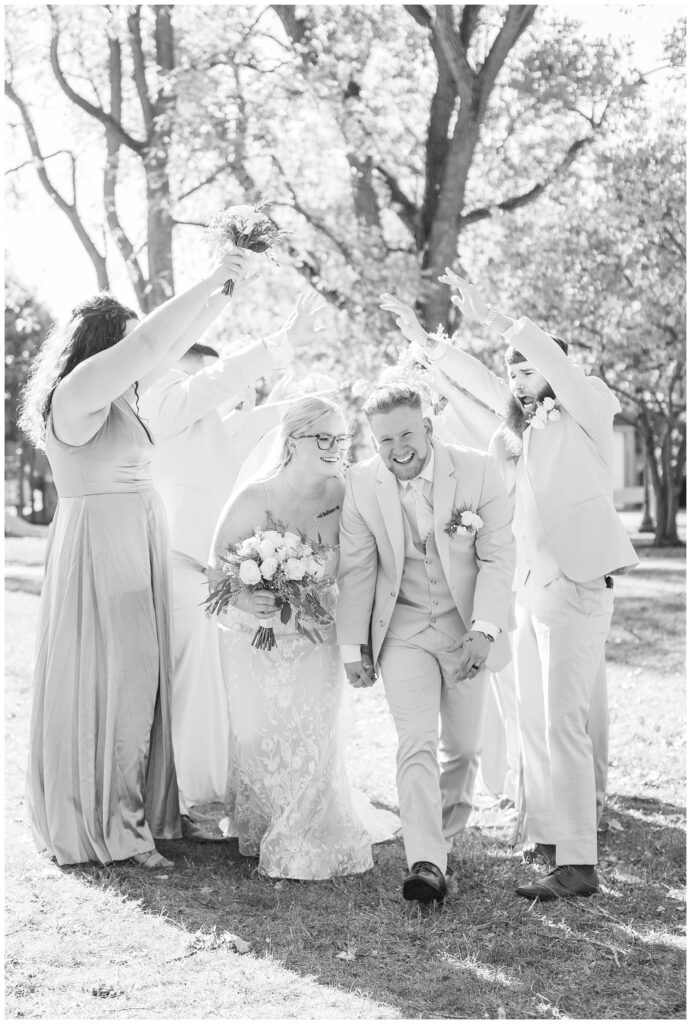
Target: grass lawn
213,939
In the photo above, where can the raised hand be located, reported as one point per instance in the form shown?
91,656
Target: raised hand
406,321
228,267
303,327
470,302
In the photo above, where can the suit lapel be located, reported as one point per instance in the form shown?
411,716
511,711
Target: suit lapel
444,489
390,505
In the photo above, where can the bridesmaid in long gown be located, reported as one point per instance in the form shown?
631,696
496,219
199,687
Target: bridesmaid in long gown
101,779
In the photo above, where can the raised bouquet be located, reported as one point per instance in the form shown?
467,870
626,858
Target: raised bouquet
288,565
244,227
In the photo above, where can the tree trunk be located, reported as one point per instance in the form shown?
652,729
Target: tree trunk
159,228
442,245
667,497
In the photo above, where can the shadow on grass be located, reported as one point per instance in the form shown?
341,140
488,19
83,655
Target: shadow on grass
484,953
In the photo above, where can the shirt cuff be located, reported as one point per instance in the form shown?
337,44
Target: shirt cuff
350,652
486,627
280,349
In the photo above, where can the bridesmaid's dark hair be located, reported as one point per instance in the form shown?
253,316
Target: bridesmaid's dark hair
95,325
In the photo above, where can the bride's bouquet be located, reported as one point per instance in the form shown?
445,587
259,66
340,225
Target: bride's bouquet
244,227
288,565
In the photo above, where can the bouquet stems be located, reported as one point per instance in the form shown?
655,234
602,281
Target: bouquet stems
264,639
228,287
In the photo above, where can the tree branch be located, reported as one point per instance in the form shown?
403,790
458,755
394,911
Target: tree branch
516,22
96,112
420,14
407,210
28,163
514,202
134,28
310,217
110,176
69,209
453,51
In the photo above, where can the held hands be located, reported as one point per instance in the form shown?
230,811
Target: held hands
474,648
260,603
361,673
302,328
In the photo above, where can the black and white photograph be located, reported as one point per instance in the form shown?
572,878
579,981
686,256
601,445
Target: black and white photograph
345,511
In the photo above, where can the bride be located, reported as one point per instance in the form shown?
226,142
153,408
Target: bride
287,797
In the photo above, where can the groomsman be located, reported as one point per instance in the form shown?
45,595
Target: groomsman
426,598
570,544
194,468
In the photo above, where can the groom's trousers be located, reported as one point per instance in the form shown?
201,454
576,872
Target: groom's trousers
439,725
561,633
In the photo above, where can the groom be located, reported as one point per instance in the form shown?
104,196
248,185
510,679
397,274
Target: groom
428,601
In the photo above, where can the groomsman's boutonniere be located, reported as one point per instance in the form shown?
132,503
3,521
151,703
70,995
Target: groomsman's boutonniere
463,520
545,412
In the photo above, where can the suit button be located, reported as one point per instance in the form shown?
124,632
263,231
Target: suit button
393,593
433,621
433,582
435,602
381,622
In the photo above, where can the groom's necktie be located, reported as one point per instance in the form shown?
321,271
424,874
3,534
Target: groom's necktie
417,507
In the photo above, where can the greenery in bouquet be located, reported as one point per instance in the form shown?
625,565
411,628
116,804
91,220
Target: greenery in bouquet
287,564
243,227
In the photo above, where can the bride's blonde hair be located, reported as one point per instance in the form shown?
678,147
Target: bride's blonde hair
300,418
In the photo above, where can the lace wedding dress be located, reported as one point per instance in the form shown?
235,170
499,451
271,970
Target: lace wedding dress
288,799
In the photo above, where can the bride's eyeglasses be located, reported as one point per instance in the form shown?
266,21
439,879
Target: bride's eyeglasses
325,442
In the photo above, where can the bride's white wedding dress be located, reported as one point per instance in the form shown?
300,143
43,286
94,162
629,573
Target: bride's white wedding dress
288,799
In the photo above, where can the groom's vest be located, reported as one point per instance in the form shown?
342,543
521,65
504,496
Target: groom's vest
424,598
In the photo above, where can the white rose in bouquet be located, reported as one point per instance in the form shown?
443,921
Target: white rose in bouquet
294,568
291,541
268,567
249,572
249,546
267,548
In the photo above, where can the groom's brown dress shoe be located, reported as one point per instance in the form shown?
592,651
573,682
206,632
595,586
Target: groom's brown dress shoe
424,882
541,855
565,882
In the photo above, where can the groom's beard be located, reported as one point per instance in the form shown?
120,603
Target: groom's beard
515,422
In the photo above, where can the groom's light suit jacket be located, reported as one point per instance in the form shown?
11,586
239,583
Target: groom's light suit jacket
478,568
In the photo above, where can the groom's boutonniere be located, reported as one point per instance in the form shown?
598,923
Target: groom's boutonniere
545,412
463,520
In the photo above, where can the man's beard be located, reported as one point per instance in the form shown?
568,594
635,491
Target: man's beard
515,422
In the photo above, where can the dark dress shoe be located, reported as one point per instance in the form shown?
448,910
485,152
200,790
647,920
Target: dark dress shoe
541,854
192,831
425,883
565,882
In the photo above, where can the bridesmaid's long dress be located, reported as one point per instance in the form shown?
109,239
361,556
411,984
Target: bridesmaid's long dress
101,778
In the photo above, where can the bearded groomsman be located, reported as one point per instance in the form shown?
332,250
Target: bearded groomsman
194,471
570,544
426,564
